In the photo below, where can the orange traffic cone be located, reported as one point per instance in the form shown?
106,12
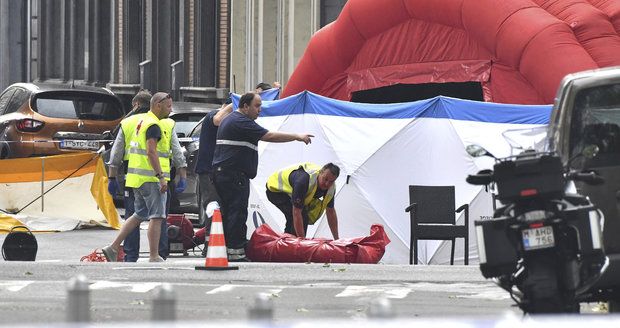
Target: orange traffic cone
217,258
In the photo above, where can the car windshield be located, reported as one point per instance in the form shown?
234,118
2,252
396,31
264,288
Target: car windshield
186,122
89,107
596,121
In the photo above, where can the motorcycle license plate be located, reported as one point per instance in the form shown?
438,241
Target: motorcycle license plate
538,238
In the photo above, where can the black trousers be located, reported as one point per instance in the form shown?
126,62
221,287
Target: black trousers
208,194
233,187
284,203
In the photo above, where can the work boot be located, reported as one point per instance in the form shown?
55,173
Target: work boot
237,255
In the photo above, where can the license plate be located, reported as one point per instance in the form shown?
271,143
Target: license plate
176,247
79,144
538,238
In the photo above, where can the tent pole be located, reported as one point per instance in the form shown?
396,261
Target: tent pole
42,182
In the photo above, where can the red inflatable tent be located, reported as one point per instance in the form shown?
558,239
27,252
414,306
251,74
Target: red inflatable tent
518,50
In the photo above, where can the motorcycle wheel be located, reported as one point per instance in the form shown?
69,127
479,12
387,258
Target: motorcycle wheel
542,293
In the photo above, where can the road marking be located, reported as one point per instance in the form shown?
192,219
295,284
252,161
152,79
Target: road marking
464,290
15,286
389,292
132,287
222,289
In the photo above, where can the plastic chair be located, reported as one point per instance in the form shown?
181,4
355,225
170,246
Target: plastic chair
432,217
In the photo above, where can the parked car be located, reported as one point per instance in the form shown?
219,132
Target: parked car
39,119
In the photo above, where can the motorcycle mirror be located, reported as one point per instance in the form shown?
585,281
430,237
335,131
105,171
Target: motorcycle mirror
477,151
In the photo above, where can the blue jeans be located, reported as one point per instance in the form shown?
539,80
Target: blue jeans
131,245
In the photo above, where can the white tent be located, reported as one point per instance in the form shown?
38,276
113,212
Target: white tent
381,150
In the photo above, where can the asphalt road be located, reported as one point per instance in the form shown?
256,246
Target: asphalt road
36,292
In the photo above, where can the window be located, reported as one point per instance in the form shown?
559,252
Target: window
19,98
596,121
84,107
5,98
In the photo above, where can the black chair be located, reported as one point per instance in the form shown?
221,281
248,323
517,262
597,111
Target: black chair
432,217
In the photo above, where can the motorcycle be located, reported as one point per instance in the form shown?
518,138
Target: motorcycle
543,245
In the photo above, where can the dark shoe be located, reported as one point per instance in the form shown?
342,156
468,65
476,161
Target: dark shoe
238,259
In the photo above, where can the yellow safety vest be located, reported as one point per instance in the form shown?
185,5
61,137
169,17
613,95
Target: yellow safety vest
129,128
139,169
279,182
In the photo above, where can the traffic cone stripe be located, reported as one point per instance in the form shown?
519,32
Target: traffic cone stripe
217,257
216,252
217,229
217,262
218,240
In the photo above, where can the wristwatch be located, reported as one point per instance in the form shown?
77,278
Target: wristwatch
159,175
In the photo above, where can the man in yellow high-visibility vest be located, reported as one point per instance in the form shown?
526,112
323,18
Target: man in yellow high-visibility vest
148,173
303,192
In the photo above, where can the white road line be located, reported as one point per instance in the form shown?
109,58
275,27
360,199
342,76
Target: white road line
15,286
464,290
132,287
389,292
222,289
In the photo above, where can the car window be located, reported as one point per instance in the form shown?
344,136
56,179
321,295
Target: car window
4,100
196,131
186,122
85,107
596,121
19,98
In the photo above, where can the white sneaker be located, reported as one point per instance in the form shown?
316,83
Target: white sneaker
156,259
110,254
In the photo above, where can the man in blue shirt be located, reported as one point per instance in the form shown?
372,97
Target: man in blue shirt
235,162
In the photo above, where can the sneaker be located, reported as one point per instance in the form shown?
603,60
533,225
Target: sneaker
157,259
110,254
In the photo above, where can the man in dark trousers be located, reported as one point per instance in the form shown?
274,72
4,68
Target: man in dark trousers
204,164
235,162
303,192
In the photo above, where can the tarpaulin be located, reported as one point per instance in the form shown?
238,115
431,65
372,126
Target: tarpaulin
51,193
381,149
267,245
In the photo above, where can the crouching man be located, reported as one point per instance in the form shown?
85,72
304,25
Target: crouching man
303,192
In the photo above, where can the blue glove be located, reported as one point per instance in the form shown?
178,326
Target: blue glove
113,186
180,186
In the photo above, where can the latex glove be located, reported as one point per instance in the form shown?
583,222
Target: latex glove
180,186
211,207
113,187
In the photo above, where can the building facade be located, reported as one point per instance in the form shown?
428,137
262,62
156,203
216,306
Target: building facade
197,50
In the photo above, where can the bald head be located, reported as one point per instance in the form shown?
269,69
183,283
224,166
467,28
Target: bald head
161,104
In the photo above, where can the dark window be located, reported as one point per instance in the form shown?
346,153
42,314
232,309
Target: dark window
86,107
4,99
412,92
19,98
186,122
595,120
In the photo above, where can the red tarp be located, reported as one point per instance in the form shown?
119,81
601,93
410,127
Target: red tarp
267,245
519,50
